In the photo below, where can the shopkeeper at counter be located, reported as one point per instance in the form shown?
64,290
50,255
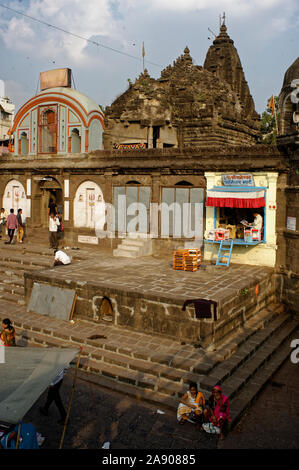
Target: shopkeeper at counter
257,222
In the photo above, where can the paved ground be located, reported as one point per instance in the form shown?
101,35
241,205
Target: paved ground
155,276
272,422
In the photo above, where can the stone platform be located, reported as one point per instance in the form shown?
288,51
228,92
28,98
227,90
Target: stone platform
147,295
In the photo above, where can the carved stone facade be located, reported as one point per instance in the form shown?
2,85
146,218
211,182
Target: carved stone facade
188,105
288,142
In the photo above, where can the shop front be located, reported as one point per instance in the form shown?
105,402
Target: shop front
240,213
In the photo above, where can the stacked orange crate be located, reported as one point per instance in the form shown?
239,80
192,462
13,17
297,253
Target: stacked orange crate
178,259
192,259
187,259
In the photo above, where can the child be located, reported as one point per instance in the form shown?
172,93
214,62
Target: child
191,406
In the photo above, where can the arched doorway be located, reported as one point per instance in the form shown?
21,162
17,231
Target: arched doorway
48,130
75,141
50,191
24,143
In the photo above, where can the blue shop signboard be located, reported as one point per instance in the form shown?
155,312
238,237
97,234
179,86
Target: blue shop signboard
238,180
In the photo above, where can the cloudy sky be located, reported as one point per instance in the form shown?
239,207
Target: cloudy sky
265,33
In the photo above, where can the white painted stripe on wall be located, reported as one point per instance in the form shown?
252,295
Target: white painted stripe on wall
29,187
66,215
28,211
238,195
66,188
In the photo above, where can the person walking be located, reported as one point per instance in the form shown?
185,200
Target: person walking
53,225
53,395
20,231
3,218
12,225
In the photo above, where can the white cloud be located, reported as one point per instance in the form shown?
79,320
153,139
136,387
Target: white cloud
86,19
235,7
106,19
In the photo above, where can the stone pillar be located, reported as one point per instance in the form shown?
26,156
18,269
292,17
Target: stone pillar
271,209
150,137
66,199
155,228
210,177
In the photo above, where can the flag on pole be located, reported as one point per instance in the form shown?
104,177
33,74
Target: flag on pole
271,105
143,54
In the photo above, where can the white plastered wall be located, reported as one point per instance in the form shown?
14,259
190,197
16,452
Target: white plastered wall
14,197
89,206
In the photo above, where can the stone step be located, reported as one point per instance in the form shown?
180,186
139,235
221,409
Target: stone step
222,371
12,289
15,298
129,248
254,386
12,267
163,378
251,326
238,405
26,260
14,280
243,374
132,242
11,279
141,373
124,253
138,246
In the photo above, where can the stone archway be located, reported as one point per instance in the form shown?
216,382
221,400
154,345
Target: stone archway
106,310
50,190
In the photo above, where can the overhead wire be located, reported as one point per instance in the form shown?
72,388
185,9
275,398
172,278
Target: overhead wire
77,35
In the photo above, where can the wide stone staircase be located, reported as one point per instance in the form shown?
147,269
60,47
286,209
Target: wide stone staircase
152,368
15,260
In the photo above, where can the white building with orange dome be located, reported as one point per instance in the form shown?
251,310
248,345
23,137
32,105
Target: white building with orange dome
59,120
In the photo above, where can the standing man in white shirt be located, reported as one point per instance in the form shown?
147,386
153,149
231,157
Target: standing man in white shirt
53,235
61,258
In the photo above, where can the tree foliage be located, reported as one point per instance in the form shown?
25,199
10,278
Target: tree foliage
268,130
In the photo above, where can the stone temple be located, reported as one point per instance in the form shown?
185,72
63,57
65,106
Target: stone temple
172,163
188,106
176,139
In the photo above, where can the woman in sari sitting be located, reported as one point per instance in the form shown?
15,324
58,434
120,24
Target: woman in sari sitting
7,336
217,410
191,406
